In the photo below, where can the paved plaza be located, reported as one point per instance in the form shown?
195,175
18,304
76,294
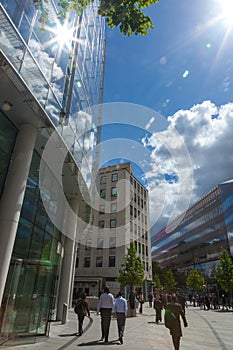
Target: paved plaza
207,330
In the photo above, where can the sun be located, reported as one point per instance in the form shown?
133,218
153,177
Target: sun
226,8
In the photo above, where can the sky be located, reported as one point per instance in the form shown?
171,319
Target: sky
172,91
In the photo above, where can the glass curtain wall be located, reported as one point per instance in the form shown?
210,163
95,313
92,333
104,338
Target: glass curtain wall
30,293
64,74
7,140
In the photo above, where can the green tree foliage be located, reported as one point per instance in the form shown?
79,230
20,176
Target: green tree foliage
128,15
169,281
195,280
156,280
224,272
131,272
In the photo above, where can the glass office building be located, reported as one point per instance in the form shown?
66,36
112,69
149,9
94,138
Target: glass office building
50,84
195,239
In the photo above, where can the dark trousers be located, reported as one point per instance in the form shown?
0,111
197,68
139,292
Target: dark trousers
80,324
105,322
121,318
176,342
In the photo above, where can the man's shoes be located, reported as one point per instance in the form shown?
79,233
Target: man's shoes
102,338
106,340
121,340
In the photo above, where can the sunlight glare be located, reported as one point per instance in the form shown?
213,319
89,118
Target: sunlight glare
227,11
64,35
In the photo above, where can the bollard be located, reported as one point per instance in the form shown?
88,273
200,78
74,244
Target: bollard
64,313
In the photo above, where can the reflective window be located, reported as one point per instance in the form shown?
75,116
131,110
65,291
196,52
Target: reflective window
99,261
112,261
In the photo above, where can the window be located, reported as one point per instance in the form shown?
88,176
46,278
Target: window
131,226
101,224
135,212
99,261
100,243
103,180
103,193
131,210
113,223
101,209
112,261
112,242
77,262
114,177
113,207
135,228
88,244
114,191
87,261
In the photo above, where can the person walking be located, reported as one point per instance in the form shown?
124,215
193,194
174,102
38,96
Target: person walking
121,310
81,309
132,303
158,306
175,329
105,305
141,302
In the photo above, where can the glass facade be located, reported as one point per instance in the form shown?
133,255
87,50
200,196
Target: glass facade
65,77
196,238
32,279
7,140
61,83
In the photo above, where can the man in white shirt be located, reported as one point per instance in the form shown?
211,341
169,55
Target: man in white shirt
121,309
105,306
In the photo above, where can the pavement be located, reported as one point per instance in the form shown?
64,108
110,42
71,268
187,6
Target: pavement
206,330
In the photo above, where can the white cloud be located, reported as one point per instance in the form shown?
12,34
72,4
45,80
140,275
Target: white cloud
206,131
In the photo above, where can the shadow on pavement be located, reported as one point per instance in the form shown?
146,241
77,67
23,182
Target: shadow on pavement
98,342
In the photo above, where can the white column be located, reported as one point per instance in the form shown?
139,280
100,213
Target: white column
68,265
13,195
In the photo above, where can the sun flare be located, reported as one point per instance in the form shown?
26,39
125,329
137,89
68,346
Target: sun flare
227,11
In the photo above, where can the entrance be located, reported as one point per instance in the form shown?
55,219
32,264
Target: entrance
27,304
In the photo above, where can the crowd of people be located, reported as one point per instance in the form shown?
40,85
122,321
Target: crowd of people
118,305
209,301
174,303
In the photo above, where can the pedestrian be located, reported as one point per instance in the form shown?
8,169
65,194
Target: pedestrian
105,305
175,328
141,302
150,299
132,303
158,306
121,310
81,309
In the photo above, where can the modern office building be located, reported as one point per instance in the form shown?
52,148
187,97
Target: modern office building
121,217
195,238
48,87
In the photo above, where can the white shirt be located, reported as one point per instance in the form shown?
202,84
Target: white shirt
121,305
106,301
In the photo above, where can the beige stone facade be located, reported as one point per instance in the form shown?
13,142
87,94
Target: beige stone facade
121,216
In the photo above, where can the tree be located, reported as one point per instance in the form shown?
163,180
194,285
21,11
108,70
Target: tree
224,272
128,15
195,280
131,272
169,280
156,280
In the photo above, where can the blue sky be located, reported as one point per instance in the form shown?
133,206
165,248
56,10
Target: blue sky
183,70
